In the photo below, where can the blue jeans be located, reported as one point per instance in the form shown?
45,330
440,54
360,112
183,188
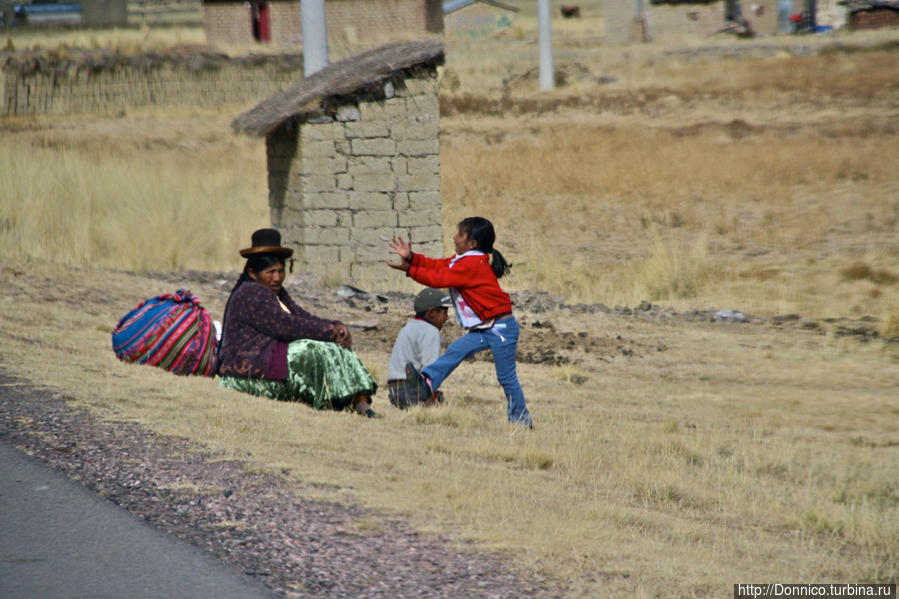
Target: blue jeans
502,341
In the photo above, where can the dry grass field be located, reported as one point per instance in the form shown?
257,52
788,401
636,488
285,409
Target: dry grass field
671,457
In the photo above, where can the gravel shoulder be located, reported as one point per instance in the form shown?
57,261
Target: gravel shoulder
297,547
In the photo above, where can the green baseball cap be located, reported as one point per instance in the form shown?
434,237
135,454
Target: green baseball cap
431,298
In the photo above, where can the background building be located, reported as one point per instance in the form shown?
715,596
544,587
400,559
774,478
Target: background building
350,22
477,19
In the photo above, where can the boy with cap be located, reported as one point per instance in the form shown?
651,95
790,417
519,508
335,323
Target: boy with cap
419,343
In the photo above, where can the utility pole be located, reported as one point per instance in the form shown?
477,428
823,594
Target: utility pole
641,20
315,36
545,43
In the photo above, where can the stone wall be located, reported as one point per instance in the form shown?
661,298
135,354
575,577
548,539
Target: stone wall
368,168
107,83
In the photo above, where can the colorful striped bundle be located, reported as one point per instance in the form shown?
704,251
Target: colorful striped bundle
171,331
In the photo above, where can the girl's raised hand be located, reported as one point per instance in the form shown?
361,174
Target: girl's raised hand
401,248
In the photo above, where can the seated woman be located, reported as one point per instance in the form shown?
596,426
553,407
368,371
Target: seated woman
273,347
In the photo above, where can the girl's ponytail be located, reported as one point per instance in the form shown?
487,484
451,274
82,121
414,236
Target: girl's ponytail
498,264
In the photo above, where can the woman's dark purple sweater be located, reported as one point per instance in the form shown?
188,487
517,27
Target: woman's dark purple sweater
257,330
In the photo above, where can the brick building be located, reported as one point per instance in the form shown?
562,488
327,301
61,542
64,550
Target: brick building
353,155
872,14
350,22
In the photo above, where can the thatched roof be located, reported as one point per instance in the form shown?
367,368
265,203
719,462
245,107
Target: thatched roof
338,79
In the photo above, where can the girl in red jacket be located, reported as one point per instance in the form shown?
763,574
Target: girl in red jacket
481,306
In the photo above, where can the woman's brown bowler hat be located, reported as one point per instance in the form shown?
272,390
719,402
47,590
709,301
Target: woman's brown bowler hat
266,241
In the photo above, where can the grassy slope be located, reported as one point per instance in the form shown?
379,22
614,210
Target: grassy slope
758,453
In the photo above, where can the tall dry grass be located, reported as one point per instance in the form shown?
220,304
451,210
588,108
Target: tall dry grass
81,206
624,214
765,223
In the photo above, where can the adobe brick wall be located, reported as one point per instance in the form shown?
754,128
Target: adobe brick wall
286,23
229,23
374,21
104,13
106,83
371,169
874,19
350,22
618,16
672,20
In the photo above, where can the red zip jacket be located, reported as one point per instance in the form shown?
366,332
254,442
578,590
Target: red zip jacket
472,276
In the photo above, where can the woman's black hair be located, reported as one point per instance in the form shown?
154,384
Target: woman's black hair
259,262
480,230
256,263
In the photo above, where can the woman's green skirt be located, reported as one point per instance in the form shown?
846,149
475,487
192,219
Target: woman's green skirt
319,373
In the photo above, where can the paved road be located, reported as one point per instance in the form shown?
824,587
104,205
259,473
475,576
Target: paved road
60,540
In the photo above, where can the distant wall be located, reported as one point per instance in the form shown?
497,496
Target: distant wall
364,22
619,16
103,82
700,19
667,19
376,21
874,18
477,21
229,23
104,13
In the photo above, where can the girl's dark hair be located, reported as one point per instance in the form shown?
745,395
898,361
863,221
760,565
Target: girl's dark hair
480,230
